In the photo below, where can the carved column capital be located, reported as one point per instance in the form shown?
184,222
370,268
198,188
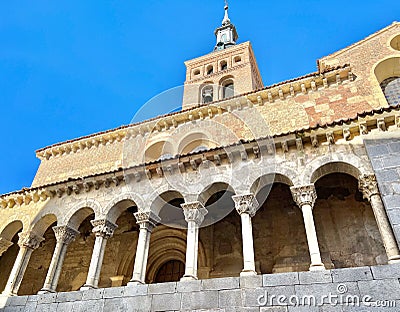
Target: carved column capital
64,234
368,185
194,211
29,240
147,219
246,203
103,227
4,245
304,195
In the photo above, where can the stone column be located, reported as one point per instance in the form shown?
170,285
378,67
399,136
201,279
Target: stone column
246,205
194,215
4,245
103,230
305,197
147,220
27,242
64,236
369,188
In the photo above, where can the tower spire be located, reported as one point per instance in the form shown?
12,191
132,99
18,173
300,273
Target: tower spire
226,19
226,34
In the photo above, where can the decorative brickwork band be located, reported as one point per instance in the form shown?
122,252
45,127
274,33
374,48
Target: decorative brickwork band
103,227
147,219
4,245
195,212
246,204
29,240
65,234
304,195
368,185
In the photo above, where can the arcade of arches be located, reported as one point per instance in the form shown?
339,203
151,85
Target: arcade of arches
273,235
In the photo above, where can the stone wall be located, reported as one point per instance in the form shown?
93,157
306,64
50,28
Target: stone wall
235,294
384,153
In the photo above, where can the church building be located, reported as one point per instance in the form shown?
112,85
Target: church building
291,189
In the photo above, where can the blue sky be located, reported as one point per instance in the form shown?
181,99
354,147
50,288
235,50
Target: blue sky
71,68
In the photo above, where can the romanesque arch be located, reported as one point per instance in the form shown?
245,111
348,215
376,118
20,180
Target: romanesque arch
40,259
78,255
346,227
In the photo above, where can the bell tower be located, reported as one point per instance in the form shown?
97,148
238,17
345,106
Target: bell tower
229,70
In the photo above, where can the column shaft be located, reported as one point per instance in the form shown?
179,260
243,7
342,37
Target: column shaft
147,220
312,240
385,229
103,230
248,245
28,242
64,236
305,197
368,186
246,205
194,215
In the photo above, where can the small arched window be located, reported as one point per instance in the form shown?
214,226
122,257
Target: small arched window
228,90
196,72
210,69
237,59
207,95
224,65
391,90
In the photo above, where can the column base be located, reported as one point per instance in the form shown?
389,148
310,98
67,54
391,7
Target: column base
317,267
188,278
248,273
3,301
7,294
135,283
45,291
87,287
394,260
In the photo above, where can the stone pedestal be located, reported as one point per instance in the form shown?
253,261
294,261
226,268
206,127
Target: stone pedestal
64,236
103,230
369,188
194,215
246,205
305,197
147,220
28,242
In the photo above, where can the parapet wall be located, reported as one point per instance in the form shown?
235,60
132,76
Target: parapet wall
330,290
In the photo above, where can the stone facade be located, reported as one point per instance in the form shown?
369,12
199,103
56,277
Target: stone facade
295,177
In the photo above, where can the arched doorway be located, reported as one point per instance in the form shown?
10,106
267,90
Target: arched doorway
170,271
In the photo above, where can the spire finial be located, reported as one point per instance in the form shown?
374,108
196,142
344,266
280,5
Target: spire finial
226,19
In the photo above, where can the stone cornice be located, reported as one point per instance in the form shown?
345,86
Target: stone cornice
385,119
173,120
